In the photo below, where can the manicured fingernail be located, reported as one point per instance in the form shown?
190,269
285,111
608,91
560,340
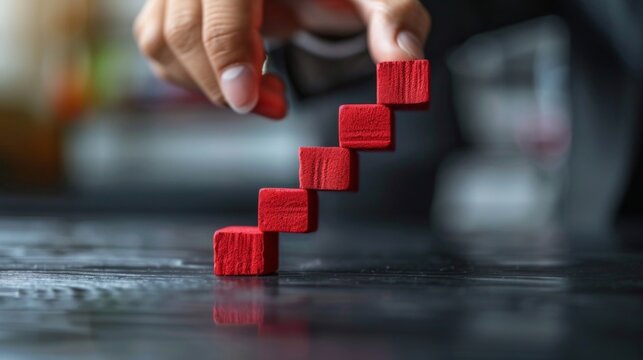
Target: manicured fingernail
410,44
239,87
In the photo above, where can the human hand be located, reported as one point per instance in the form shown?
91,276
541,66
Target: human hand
216,46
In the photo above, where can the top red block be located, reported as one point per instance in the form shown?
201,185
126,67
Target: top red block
404,84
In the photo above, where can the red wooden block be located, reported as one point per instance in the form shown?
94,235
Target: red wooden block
272,101
404,84
288,210
327,168
245,250
365,127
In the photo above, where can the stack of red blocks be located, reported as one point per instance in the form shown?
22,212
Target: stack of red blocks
250,250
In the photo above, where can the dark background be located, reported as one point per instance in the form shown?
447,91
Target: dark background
533,121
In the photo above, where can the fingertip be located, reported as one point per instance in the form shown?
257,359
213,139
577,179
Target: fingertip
391,45
387,43
396,32
239,87
410,44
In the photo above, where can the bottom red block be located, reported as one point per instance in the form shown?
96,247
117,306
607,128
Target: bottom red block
245,250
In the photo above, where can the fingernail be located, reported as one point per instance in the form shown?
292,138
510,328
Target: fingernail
239,88
410,44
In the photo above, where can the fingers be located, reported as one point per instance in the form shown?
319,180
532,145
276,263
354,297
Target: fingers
148,32
182,31
232,41
174,74
214,46
148,29
397,29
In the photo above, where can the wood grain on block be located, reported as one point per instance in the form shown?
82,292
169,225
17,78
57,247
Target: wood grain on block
288,210
365,127
404,84
245,250
327,168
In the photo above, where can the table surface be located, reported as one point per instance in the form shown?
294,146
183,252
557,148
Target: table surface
143,288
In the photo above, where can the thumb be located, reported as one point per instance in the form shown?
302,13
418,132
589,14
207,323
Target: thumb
397,29
232,40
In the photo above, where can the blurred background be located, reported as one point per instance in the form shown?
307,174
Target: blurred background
85,127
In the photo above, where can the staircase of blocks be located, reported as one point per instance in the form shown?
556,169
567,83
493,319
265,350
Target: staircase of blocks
254,250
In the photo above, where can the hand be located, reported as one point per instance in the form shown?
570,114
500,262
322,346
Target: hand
216,46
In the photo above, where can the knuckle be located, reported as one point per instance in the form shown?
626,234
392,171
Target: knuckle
396,9
222,43
415,14
407,5
151,45
425,17
422,21
183,32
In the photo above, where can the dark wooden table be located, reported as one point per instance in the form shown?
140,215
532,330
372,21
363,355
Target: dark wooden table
127,287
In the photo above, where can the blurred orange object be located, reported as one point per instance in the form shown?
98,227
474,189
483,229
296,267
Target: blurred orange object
30,152
70,95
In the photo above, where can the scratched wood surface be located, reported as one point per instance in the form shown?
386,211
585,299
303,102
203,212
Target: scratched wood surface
123,287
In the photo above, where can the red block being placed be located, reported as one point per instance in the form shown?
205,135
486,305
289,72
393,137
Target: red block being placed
272,101
327,168
404,84
245,250
366,127
288,210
